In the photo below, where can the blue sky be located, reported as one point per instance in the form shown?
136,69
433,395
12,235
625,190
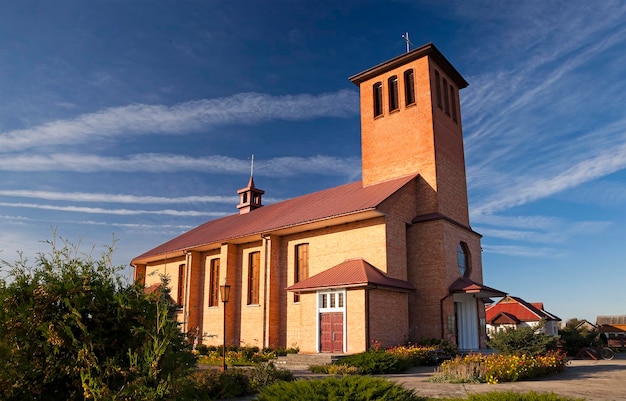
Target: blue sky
138,119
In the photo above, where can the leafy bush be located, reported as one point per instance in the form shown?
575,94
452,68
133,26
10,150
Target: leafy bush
349,388
213,384
573,340
442,345
376,362
202,349
266,375
522,340
499,368
380,361
70,329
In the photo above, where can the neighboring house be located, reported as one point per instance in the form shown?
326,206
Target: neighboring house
515,312
585,326
614,328
388,258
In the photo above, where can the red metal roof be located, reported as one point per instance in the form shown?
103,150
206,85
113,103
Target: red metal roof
350,273
520,309
334,202
465,285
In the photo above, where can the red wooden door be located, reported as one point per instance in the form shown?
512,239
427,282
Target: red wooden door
331,325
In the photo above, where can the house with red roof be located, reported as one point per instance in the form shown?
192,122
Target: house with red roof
513,312
389,258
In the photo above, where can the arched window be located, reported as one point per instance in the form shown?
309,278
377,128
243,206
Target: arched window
301,266
378,99
463,259
409,87
392,83
446,99
438,89
214,282
254,269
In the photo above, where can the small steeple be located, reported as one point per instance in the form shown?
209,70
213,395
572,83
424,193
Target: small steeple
250,196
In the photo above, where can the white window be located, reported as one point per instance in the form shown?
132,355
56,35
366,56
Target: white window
332,301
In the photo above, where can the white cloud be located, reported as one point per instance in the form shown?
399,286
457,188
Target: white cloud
142,119
119,212
531,188
523,251
115,198
156,163
558,233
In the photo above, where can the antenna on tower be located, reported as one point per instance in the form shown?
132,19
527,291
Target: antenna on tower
405,36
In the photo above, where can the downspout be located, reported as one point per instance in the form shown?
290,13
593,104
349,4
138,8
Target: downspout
187,285
367,317
266,239
441,314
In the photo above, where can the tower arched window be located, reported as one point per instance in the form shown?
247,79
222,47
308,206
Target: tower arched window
463,259
378,99
392,83
409,87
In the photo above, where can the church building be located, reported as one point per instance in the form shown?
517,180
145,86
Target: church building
389,258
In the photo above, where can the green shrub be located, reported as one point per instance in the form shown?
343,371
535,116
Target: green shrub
71,328
212,384
440,344
512,396
573,340
349,388
376,362
265,375
334,369
202,349
522,340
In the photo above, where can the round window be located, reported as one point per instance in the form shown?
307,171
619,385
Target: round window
463,259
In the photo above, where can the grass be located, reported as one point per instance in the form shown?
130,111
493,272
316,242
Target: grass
510,396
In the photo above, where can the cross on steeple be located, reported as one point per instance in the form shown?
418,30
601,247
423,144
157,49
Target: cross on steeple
405,36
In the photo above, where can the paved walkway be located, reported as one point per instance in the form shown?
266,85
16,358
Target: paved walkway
591,380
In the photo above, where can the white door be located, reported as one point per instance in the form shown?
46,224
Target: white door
467,329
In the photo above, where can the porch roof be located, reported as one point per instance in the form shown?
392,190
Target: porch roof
350,274
464,285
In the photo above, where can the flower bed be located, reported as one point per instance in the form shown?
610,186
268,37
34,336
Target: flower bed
415,355
381,361
239,356
499,368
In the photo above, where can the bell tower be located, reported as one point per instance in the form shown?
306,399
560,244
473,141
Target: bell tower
411,124
249,198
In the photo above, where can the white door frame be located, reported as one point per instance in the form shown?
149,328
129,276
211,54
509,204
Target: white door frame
339,305
467,324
